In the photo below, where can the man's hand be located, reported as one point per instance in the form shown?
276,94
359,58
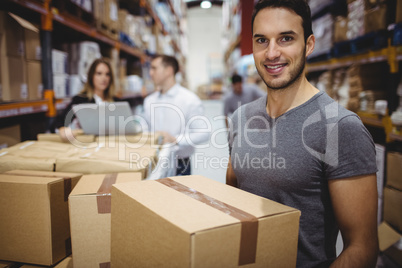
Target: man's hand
167,138
66,134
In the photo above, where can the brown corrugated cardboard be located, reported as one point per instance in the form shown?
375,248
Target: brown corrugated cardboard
398,11
394,170
143,138
392,207
340,28
388,239
10,136
35,222
98,166
66,263
375,19
53,137
89,205
43,149
192,221
14,79
10,162
5,264
387,236
13,35
34,79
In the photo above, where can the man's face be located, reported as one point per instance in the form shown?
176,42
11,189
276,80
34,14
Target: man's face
159,73
278,47
238,88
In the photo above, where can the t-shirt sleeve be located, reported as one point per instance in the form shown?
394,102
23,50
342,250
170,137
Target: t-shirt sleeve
350,150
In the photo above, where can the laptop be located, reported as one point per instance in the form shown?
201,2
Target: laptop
107,118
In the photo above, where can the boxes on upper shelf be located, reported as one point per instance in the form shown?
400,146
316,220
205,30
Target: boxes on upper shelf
392,207
59,62
10,136
323,31
192,221
35,85
60,85
81,56
14,85
394,170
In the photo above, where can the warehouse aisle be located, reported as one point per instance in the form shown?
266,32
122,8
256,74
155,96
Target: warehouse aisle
212,161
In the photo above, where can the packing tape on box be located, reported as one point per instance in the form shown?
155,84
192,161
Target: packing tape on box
104,265
67,188
103,196
249,223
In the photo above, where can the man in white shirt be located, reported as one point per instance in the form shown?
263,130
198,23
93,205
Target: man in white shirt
175,112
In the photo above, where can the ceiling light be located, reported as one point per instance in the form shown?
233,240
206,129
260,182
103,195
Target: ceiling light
206,4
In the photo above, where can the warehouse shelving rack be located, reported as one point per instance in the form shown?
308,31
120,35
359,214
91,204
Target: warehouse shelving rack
392,55
48,16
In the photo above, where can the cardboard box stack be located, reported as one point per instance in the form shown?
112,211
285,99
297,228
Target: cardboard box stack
106,16
35,226
340,29
19,50
66,263
398,17
34,155
193,221
390,231
78,135
102,156
10,136
90,208
81,56
368,78
323,29
355,19
60,73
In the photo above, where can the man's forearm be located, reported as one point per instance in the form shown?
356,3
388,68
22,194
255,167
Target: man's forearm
356,257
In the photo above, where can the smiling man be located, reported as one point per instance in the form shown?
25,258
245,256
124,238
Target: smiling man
298,147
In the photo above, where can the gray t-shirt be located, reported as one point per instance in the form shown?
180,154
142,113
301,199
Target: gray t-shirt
291,158
232,101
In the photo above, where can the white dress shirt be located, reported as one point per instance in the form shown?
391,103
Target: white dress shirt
180,113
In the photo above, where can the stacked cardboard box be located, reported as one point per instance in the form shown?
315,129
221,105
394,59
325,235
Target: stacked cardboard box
106,16
355,19
193,221
87,158
60,73
81,56
10,136
35,221
391,228
367,78
20,55
90,208
66,263
323,28
33,155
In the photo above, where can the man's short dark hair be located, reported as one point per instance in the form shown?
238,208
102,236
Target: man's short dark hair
169,61
236,78
300,7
